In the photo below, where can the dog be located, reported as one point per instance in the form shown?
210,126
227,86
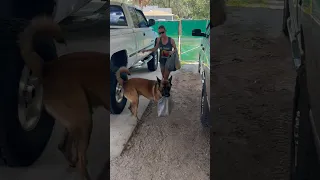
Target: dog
134,87
73,85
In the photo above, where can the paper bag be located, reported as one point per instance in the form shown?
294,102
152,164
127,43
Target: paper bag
165,106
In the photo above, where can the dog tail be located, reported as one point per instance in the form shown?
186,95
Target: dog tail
38,25
118,74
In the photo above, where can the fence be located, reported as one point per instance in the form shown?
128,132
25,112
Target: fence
181,32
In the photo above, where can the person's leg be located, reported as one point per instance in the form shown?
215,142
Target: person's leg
162,67
166,74
162,71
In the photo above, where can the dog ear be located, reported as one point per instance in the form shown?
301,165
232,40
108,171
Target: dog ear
159,81
170,79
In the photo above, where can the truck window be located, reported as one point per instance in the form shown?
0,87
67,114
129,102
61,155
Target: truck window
117,17
208,32
134,16
315,8
142,19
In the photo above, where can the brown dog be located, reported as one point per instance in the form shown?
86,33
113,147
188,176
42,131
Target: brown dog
73,85
135,87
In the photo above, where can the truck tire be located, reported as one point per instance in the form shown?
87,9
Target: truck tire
286,14
117,99
304,159
153,63
204,116
22,145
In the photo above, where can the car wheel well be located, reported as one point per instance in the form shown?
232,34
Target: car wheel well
22,9
119,59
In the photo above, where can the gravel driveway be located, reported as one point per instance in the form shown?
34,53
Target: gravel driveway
174,147
252,85
252,80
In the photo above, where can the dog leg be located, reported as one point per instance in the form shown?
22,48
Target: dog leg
134,108
72,109
72,153
65,146
83,143
129,106
63,142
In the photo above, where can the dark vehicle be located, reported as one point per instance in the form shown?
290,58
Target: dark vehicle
301,23
204,70
25,127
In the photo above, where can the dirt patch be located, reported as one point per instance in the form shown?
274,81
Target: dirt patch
174,147
252,84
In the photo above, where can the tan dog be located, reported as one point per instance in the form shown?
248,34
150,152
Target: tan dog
135,87
73,85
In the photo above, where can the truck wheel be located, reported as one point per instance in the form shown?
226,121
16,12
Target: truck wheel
286,14
304,164
153,63
26,127
204,117
117,99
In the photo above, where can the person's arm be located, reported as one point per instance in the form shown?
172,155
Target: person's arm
154,48
218,12
174,46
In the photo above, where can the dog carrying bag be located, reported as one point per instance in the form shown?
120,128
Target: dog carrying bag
165,106
173,62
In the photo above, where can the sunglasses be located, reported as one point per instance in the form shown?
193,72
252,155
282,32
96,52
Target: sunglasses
161,32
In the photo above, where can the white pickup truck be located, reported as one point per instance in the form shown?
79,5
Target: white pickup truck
130,32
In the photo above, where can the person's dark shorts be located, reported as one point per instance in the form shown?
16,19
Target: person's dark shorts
163,62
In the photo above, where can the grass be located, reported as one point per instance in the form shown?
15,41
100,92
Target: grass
247,3
187,62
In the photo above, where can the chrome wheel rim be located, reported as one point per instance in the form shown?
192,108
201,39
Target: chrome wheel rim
30,96
119,93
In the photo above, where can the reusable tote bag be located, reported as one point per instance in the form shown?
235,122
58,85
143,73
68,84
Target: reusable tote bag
173,62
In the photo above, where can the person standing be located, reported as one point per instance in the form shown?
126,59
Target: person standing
167,47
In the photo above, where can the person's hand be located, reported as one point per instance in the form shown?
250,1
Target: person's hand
143,51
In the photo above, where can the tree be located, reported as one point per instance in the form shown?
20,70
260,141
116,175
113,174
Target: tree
199,9
196,9
142,3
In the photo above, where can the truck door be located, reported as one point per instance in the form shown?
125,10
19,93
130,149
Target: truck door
139,33
149,37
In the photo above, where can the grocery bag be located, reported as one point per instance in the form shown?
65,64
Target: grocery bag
173,62
165,106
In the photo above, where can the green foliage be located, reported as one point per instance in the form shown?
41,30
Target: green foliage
195,9
245,3
200,9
